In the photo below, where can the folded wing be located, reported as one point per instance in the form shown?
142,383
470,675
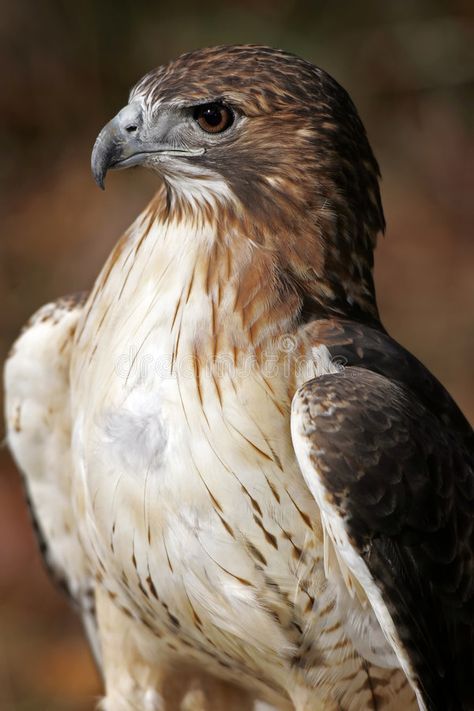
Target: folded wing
394,481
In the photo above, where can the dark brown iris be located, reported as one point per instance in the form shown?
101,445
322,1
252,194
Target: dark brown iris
213,118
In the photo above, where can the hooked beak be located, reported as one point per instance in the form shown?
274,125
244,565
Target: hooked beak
126,141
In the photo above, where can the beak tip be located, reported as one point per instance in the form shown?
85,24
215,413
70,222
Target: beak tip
101,183
98,173
101,156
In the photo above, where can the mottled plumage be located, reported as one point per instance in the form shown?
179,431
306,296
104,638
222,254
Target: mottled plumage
244,482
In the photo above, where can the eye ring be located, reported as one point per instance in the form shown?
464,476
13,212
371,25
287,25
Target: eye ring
214,117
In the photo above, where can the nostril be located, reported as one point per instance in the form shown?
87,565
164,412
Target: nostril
131,128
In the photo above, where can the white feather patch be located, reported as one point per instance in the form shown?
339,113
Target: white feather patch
135,434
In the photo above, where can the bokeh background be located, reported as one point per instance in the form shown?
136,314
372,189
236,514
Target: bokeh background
66,68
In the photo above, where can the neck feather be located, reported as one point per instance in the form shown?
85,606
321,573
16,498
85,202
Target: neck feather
259,279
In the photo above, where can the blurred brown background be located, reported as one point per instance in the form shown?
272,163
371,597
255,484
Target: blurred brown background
66,68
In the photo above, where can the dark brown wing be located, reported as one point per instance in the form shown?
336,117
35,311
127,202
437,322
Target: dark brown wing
390,457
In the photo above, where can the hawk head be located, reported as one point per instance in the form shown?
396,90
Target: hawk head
267,136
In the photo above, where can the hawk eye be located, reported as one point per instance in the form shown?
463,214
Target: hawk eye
213,118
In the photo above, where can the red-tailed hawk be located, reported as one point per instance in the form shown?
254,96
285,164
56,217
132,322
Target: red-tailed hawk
232,466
